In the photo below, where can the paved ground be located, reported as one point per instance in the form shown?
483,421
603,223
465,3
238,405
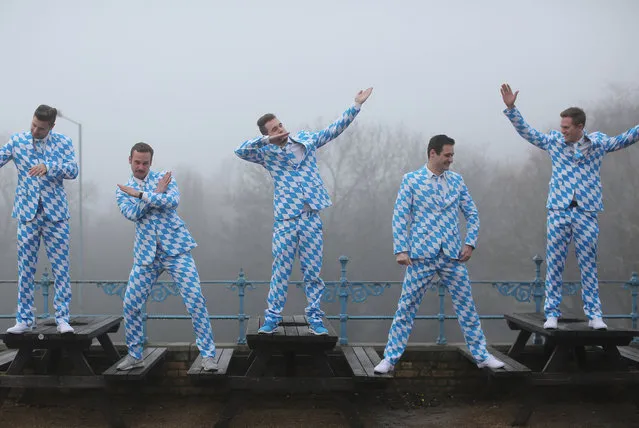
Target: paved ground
62,410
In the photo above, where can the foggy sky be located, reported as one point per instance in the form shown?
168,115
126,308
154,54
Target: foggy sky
191,77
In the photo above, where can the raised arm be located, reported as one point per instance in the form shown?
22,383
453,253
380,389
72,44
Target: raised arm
338,126
526,131
402,218
131,207
622,141
469,209
166,195
253,150
67,168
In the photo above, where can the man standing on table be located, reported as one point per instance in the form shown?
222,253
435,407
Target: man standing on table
44,159
162,242
299,196
426,240
574,201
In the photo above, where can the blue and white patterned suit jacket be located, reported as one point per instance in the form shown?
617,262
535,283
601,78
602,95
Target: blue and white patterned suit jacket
157,224
296,184
573,175
424,223
59,157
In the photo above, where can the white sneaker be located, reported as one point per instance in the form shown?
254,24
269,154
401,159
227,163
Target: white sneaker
64,327
384,367
551,323
208,364
19,328
491,362
597,324
129,363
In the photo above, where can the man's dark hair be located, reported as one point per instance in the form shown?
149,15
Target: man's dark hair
142,148
578,115
46,113
263,121
438,142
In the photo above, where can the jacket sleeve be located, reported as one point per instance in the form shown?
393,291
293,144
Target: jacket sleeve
6,153
621,141
68,167
131,208
526,131
253,150
337,127
168,200
469,209
402,217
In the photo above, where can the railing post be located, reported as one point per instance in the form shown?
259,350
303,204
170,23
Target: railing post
145,317
441,340
241,316
343,299
538,292
45,283
633,284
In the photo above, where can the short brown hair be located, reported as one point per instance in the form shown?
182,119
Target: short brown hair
576,114
438,142
142,148
262,121
46,113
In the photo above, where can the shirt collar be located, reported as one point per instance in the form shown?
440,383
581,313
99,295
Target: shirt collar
431,174
141,183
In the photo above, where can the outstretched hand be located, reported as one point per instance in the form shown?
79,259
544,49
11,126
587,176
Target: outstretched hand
278,139
362,96
508,96
163,184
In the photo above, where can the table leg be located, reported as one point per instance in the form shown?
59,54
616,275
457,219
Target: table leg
109,348
323,364
20,361
517,347
80,364
258,366
558,358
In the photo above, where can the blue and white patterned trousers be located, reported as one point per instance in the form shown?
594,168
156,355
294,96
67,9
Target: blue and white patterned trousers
454,277
563,226
184,273
303,234
55,235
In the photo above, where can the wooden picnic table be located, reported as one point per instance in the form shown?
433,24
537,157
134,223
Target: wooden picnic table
50,372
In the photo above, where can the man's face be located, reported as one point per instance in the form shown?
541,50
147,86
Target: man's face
40,128
140,164
570,131
275,127
442,161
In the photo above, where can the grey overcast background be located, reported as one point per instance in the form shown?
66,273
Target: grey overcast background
192,77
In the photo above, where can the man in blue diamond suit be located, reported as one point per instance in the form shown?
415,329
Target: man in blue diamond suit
162,242
574,201
43,159
299,196
426,239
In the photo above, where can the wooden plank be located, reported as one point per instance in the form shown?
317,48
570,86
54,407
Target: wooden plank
300,320
222,359
353,361
291,331
151,357
512,368
375,359
629,352
287,319
53,382
366,362
6,358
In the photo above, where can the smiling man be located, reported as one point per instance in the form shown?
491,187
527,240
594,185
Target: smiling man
574,201
43,159
427,241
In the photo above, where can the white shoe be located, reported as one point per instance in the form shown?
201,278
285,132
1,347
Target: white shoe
64,327
208,364
19,328
384,367
551,323
597,324
129,363
491,362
